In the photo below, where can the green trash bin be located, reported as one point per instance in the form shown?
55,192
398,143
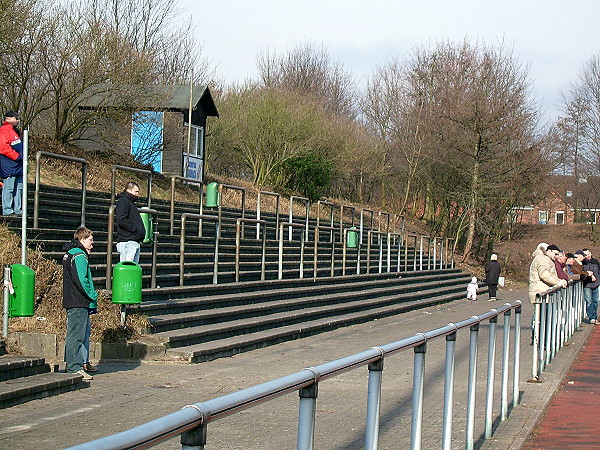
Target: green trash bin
148,225
22,300
352,238
127,283
212,195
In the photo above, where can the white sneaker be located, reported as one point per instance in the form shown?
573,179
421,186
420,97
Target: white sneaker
85,375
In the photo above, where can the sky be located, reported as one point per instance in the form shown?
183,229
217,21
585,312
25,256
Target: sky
553,39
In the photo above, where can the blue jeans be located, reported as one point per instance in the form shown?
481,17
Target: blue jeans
591,302
129,251
12,193
85,348
77,321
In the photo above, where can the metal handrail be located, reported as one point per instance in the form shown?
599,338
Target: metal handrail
362,211
421,251
557,314
278,198
316,251
113,182
302,244
350,208
434,242
110,241
238,232
370,234
217,220
389,242
389,218
172,209
291,219
402,220
406,240
36,198
192,420
345,250
450,251
331,213
243,202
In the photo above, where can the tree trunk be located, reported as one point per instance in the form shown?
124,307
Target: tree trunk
472,210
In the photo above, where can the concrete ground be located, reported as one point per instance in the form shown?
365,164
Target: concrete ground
123,395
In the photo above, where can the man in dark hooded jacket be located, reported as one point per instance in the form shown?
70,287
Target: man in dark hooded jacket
492,274
130,228
79,298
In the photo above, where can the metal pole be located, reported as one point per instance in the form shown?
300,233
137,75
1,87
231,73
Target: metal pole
535,368
417,397
306,417
181,247
24,198
505,355
517,356
216,260
448,391
154,256
490,377
109,246
373,405
6,302
472,384
280,265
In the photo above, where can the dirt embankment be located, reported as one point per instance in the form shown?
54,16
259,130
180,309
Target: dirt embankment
515,255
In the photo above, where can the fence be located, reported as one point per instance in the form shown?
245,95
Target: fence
191,421
557,314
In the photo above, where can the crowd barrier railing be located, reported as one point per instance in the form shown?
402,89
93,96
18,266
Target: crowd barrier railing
191,421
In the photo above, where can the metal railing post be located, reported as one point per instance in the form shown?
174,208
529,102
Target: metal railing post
258,209
36,197
373,404
535,366
331,214
306,417
6,304
280,253
307,207
172,204
448,391
472,385
489,390
362,226
194,439
238,228
109,246
316,251
505,356
417,396
184,217
342,207
517,356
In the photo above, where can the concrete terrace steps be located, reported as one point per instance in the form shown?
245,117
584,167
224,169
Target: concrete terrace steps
183,300
352,299
256,317
27,378
239,343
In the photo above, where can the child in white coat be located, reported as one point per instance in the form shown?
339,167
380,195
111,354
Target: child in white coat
472,289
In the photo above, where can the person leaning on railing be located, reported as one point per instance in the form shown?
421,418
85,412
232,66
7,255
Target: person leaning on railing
542,275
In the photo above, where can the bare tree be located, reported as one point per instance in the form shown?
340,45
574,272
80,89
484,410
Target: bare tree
309,70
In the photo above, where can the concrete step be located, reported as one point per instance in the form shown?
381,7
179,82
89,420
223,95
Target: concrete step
212,332
240,343
27,378
21,366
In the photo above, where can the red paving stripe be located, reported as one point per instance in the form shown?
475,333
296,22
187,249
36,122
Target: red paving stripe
571,419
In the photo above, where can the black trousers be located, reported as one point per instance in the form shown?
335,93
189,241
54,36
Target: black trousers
493,288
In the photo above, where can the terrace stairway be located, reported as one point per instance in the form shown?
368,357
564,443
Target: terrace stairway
200,320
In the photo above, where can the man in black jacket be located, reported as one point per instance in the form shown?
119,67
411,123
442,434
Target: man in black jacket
130,228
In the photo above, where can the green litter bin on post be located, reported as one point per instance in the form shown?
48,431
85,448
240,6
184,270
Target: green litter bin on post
22,300
148,225
127,283
212,195
352,238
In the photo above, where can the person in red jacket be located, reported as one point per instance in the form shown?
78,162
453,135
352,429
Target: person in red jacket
11,164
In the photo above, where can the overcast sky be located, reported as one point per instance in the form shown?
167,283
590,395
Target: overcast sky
554,38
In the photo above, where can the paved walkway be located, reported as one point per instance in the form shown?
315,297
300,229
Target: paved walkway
125,395
571,418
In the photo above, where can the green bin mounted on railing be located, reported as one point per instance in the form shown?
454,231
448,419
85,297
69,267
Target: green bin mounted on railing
127,283
148,225
352,238
22,300
212,195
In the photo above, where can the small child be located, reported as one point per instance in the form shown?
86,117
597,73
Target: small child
472,289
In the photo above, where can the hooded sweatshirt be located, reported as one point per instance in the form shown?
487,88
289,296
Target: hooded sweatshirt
78,286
